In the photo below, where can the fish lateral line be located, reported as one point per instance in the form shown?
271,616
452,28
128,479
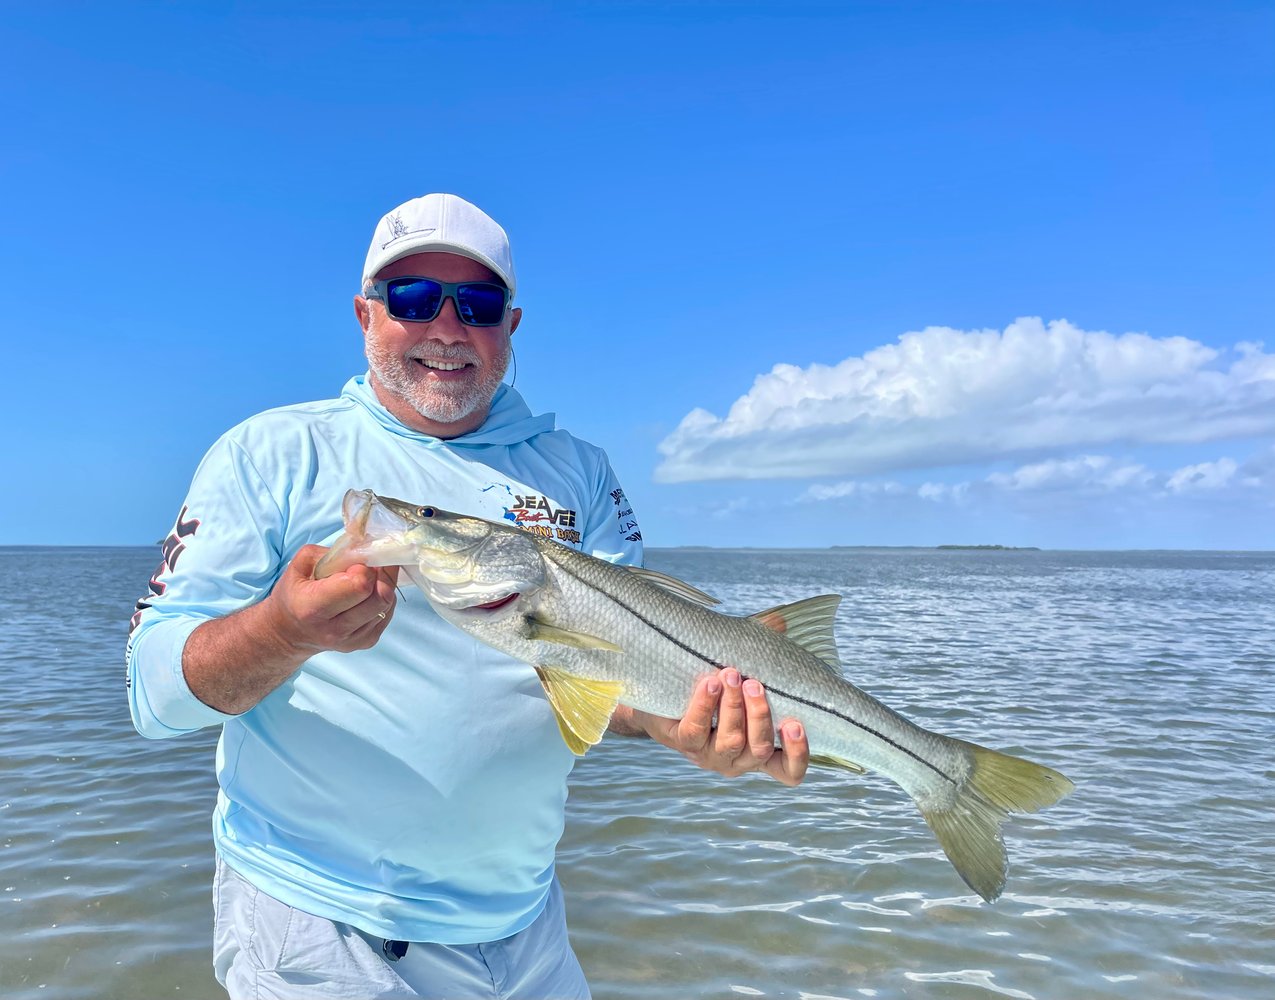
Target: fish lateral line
646,621
865,728
704,658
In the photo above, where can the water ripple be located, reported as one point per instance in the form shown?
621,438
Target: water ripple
1146,677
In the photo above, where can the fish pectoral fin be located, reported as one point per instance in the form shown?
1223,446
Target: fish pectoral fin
536,629
808,623
673,585
828,760
582,707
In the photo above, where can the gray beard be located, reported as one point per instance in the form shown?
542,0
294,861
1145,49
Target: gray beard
440,403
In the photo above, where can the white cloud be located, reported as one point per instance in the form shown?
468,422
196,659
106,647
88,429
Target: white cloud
1205,476
1087,473
939,492
850,488
1095,474
942,397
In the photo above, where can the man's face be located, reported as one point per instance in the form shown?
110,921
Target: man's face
414,365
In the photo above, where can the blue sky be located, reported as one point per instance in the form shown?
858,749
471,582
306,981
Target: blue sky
813,273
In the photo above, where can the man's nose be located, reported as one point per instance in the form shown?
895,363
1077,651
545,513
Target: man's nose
446,326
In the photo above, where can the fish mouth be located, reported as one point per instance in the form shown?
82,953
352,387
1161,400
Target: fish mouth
495,605
356,505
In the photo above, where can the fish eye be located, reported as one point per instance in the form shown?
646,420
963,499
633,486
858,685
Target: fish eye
425,511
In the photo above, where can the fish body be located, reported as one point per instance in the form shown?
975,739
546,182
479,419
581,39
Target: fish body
599,634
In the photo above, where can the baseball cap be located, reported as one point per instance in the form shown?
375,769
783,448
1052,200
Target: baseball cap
443,223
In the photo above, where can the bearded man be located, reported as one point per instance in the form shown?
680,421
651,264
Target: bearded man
392,791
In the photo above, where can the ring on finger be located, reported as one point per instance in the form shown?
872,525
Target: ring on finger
381,615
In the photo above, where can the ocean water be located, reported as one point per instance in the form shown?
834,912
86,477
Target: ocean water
1146,677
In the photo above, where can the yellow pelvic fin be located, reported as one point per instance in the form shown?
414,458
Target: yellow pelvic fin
536,629
582,707
968,828
809,624
828,760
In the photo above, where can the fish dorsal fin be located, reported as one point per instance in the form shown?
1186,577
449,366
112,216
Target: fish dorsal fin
537,629
808,623
674,586
582,707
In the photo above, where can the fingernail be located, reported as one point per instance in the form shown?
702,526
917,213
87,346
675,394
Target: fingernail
752,688
714,686
732,677
792,731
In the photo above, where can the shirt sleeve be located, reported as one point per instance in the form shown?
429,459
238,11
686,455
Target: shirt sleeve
224,553
611,528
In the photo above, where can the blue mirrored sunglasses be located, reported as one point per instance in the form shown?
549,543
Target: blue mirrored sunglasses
419,300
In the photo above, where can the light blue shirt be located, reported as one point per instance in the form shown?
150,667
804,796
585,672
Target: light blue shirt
416,789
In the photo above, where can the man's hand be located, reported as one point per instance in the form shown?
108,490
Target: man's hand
744,738
232,663
346,611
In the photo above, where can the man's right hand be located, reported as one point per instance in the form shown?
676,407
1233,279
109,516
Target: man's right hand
346,611
231,663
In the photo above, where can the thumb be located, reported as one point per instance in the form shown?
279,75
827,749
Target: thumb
305,560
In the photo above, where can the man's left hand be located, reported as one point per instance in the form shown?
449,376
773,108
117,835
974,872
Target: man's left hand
744,738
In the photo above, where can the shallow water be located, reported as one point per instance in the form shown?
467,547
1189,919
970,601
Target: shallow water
1145,677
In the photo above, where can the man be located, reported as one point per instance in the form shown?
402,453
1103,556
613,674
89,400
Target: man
391,791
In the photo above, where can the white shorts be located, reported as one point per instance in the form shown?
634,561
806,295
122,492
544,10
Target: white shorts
266,950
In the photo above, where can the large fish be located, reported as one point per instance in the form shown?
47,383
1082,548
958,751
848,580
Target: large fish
600,635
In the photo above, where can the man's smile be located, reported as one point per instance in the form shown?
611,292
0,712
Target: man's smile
442,366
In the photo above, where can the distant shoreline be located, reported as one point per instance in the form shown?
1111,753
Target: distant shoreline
154,547
930,548
991,548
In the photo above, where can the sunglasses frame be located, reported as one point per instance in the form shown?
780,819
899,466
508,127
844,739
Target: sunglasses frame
381,291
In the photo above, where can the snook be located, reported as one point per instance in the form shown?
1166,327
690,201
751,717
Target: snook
600,634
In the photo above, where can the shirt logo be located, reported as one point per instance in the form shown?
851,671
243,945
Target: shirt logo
537,514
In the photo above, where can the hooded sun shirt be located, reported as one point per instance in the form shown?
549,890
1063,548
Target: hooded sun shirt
416,789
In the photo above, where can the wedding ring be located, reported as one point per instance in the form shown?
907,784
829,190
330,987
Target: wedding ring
381,615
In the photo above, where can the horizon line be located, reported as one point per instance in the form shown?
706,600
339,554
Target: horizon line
944,546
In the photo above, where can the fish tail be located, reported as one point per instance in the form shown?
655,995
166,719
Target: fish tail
968,823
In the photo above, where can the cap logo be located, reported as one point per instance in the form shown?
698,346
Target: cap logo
398,230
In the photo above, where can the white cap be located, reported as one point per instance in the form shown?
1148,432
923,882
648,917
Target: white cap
442,223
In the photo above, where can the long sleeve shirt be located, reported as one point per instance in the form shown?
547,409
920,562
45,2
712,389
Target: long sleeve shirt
415,789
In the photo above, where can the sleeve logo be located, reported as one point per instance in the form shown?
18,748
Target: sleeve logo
627,524
173,546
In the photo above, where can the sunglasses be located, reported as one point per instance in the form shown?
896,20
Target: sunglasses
419,300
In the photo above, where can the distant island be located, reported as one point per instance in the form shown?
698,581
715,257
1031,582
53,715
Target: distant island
992,548
958,548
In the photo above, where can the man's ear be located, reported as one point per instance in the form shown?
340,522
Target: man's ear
363,313
515,317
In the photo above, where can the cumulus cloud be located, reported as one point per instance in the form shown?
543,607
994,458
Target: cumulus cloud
850,488
942,397
1088,473
939,492
1080,475
1205,476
